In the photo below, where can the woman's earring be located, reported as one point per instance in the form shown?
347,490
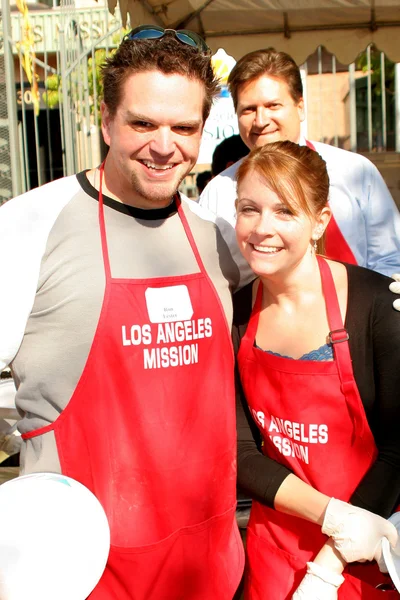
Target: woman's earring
315,246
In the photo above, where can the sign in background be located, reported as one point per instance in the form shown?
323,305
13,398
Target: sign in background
221,124
24,96
86,26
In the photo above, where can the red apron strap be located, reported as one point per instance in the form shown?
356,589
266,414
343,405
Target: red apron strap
254,317
36,432
336,247
103,235
197,256
310,145
189,235
104,245
338,337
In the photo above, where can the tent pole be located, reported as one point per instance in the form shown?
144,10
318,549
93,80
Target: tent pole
353,108
303,75
11,103
397,104
369,98
383,102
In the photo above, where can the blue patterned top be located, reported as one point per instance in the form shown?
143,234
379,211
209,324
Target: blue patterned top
323,353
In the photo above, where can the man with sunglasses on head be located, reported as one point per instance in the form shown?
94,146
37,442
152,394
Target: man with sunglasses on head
116,323
267,92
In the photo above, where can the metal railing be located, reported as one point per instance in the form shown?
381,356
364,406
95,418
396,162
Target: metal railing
356,107
64,137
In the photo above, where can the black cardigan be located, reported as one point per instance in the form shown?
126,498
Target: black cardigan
374,329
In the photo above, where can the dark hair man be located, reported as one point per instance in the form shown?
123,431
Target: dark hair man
116,322
202,179
229,151
268,96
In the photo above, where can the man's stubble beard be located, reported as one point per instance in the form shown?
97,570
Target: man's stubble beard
157,194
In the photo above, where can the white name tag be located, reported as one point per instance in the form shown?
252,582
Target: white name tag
170,303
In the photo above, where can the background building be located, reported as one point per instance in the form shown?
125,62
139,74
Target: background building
49,125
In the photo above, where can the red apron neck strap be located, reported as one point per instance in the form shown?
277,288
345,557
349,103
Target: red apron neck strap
339,337
103,235
310,145
332,304
255,315
189,234
102,224
336,245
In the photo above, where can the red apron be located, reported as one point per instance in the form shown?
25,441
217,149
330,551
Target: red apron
150,430
336,246
312,421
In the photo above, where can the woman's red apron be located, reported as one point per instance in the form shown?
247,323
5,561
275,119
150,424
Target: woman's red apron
336,247
150,430
312,420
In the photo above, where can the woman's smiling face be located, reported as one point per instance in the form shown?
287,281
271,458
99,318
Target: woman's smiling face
272,238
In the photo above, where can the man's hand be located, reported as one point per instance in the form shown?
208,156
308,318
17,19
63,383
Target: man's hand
357,533
395,288
318,584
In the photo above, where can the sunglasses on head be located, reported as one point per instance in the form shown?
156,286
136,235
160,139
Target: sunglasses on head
153,32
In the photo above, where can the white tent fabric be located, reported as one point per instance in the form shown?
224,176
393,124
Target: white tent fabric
344,27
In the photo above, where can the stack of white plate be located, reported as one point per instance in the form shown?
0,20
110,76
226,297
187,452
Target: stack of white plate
391,555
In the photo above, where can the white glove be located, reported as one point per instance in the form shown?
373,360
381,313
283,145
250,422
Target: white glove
318,584
395,288
357,533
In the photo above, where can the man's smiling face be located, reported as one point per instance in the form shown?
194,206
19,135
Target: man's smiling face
267,112
154,137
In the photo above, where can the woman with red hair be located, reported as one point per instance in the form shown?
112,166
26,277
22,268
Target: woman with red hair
319,450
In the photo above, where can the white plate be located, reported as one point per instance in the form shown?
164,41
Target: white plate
54,539
392,560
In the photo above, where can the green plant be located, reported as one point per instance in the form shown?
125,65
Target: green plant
51,95
88,72
376,71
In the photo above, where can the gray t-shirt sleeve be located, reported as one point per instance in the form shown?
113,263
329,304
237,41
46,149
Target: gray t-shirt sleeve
25,223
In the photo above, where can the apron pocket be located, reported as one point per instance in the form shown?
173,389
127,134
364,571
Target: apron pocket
271,573
196,563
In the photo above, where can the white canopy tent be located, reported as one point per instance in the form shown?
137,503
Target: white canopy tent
344,27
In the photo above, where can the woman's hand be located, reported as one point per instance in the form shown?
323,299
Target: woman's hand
319,583
395,288
357,533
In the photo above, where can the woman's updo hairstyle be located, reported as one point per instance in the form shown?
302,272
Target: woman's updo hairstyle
296,174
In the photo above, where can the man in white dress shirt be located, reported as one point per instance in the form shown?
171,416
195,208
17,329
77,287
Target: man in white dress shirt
267,93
